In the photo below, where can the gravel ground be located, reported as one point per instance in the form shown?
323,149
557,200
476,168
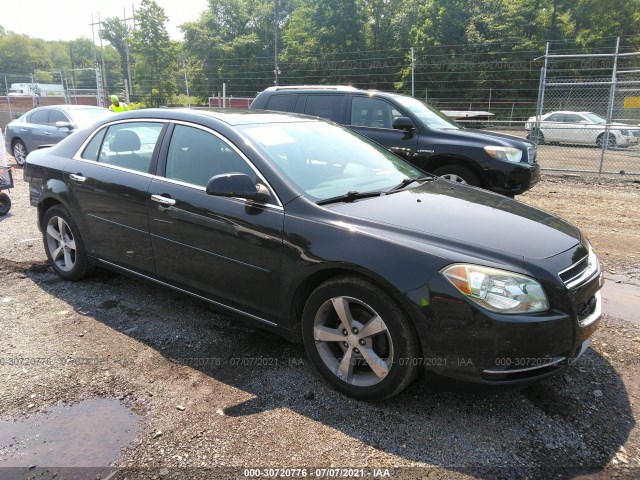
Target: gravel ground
215,396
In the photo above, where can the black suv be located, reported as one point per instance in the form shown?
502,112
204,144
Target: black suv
408,127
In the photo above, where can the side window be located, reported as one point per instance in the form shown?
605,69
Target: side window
93,147
282,103
556,117
56,116
196,155
371,112
572,118
130,145
325,106
39,117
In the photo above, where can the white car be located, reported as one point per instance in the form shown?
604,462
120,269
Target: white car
581,128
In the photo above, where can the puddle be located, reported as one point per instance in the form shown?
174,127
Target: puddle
87,434
621,300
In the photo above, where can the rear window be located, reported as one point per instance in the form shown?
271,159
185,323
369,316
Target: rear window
282,103
325,106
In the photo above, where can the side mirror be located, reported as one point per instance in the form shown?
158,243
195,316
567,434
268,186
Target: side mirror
405,124
237,185
67,125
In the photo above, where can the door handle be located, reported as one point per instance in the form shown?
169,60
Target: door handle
77,177
47,133
164,201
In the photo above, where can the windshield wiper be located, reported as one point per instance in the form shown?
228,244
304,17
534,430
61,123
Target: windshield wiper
349,197
408,181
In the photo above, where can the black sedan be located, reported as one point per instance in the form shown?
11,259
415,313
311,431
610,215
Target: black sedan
307,228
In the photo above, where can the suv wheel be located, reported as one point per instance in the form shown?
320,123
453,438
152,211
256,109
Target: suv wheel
457,174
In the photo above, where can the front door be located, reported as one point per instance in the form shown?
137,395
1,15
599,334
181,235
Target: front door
227,249
373,118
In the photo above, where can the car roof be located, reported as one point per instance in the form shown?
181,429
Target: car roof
70,107
328,89
568,111
228,115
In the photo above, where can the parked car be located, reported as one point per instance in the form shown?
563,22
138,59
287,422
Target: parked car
417,132
579,128
378,268
46,126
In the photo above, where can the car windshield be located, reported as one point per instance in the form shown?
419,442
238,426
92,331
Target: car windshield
593,118
328,161
87,116
429,116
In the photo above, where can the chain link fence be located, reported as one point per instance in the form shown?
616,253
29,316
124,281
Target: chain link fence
588,115
19,93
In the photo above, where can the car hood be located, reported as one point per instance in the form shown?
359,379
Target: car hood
487,137
470,216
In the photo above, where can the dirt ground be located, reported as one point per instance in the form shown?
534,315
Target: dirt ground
215,398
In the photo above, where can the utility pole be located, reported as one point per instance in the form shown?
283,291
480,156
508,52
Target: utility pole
103,72
186,83
276,69
126,46
99,90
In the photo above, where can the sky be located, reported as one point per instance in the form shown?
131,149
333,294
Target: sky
70,19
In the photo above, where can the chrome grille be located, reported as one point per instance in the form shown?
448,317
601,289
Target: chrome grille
574,270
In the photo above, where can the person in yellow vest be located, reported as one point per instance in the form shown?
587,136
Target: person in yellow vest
118,106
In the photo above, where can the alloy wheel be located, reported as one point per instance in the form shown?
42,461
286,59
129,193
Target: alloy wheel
353,341
61,243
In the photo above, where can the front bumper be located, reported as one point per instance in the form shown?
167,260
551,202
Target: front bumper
461,341
511,179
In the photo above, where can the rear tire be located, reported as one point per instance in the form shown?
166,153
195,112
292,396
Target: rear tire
537,137
5,204
63,244
359,339
20,152
458,174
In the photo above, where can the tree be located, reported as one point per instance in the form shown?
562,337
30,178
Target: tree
116,32
155,55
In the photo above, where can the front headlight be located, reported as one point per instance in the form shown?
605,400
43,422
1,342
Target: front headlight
497,290
508,154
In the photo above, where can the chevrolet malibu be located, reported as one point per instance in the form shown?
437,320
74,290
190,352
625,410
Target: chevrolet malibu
311,230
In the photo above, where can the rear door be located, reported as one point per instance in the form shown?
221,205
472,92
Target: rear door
108,184
36,132
373,118
554,129
330,106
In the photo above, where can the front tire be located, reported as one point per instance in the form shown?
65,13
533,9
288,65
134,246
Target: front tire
63,244
20,152
5,204
611,143
458,174
359,339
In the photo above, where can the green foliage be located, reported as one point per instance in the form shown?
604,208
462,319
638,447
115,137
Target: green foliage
155,55
366,43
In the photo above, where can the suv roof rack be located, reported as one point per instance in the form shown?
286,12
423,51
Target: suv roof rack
344,88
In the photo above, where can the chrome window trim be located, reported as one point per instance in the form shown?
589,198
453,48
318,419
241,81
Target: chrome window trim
203,189
78,156
115,167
